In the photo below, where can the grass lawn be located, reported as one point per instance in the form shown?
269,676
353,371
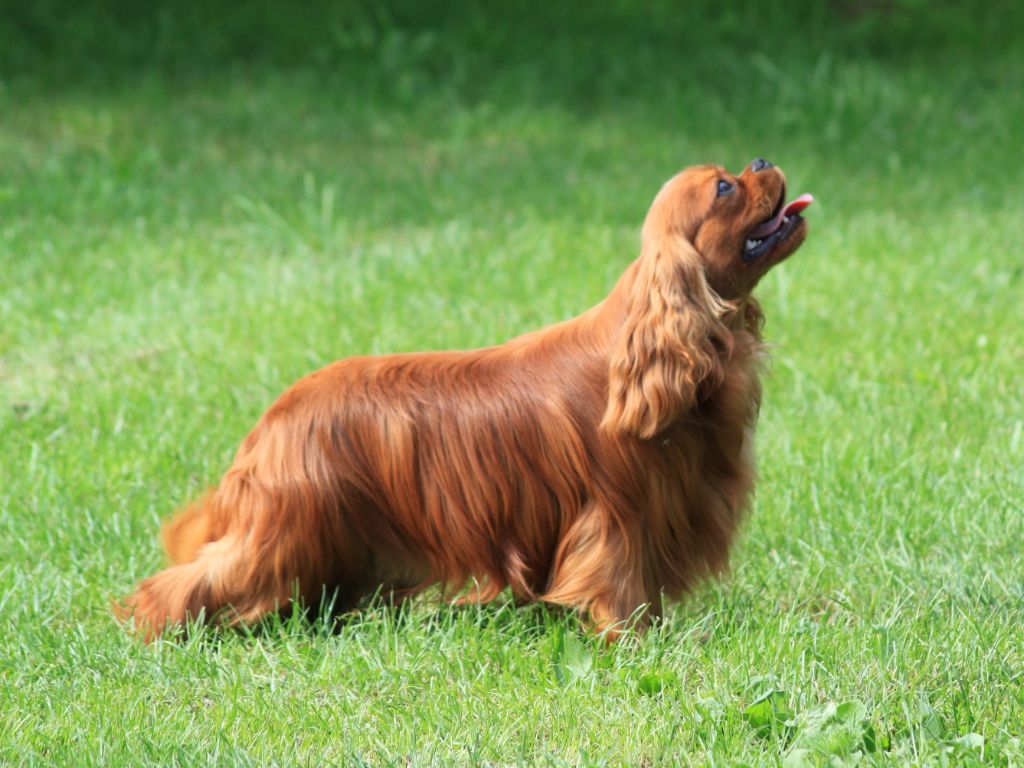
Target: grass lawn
194,212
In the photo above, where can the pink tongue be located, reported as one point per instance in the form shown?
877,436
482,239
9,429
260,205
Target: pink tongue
792,207
797,205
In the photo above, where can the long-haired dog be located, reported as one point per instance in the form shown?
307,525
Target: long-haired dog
598,464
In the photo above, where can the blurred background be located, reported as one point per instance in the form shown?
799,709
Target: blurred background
870,89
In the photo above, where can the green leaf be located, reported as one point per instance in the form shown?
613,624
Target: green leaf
929,721
651,683
813,720
577,659
769,712
798,758
840,731
969,742
851,712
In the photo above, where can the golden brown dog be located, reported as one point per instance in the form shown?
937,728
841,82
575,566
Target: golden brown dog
599,464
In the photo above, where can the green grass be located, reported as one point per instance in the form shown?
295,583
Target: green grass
194,212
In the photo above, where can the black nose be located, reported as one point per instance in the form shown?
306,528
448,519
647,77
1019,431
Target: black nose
759,164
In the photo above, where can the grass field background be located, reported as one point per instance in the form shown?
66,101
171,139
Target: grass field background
198,207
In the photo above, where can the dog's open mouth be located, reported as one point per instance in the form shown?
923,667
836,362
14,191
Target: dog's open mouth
766,235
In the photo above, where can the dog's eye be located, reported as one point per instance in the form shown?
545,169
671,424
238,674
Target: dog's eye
725,187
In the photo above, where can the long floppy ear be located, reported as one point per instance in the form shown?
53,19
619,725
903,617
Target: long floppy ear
670,343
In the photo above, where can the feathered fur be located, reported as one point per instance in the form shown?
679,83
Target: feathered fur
599,464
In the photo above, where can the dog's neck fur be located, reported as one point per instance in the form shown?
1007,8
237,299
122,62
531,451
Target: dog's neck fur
604,320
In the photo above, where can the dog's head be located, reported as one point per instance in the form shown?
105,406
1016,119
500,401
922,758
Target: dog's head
739,226
707,240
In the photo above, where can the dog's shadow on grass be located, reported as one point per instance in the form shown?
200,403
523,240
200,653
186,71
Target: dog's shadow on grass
386,613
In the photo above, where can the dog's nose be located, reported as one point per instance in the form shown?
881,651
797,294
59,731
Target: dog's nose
759,164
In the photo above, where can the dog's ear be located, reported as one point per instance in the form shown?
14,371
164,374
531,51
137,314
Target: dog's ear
670,343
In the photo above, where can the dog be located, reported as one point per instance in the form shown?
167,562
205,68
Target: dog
600,464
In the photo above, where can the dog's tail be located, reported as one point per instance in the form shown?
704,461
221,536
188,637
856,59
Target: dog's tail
190,529
237,554
271,532
184,590
208,587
